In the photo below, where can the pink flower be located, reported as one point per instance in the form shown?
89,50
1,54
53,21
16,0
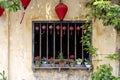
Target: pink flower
85,28
37,58
72,56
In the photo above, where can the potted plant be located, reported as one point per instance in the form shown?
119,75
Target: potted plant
37,61
78,61
52,62
88,63
72,62
44,60
61,60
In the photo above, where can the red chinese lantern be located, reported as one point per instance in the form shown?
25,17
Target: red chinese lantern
64,28
78,29
24,3
58,28
36,28
50,27
71,29
61,10
43,28
1,11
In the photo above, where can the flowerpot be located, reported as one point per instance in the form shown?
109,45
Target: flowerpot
45,65
53,64
61,64
72,64
37,63
78,63
88,65
44,62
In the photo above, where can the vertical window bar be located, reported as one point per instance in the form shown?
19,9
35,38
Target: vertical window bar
54,41
82,48
75,42
33,52
47,41
68,40
61,34
40,39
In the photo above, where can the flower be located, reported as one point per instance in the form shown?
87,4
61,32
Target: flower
37,58
85,28
72,56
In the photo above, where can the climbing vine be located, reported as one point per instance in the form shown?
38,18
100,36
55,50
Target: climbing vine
106,11
86,39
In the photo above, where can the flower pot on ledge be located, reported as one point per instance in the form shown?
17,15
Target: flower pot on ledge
37,63
61,64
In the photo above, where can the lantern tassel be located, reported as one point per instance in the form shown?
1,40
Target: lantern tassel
22,17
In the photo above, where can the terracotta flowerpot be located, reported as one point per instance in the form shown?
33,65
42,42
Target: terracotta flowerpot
61,64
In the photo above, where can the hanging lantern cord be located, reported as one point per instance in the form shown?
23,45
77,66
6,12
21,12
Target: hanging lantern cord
60,1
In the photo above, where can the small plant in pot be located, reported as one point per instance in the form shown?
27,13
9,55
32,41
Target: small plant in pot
52,62
61,60
88,63
78,61
44,60
37,61
72,62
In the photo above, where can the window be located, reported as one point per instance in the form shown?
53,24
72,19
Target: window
53,37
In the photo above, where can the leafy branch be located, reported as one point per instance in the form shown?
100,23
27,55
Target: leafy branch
3,76
105,10
10,5
87,29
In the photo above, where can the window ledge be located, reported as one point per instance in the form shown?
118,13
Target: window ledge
76,67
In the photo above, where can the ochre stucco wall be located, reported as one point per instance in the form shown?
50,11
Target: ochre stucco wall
16,47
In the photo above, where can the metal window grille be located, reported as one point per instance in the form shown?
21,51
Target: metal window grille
52,37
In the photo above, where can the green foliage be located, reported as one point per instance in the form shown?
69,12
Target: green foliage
10,5
104,72
86,38
79,60
44,59
88,61
60,57
103,9
113,56
3,76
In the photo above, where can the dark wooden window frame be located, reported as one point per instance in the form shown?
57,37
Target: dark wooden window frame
59,22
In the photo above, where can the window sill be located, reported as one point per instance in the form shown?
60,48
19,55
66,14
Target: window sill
76,67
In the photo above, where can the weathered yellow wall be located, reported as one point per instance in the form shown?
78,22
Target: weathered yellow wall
105,40
4,43
18,52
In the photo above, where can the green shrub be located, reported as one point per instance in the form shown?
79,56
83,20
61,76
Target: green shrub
104,72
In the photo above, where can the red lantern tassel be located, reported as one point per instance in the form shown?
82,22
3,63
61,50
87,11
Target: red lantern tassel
22,17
